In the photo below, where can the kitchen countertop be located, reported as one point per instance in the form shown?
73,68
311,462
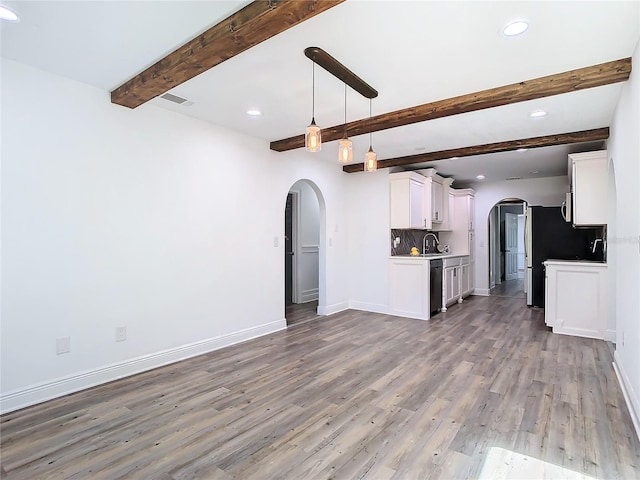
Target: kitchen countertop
427,257
575,262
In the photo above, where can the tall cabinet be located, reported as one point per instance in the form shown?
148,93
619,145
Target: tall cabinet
459,273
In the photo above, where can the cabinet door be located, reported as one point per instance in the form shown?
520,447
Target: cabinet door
452,284
416,194
436,202
456,282
406,203
448,284
464,279
589,188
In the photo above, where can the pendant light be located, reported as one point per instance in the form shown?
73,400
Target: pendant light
370,158
345,147
313,137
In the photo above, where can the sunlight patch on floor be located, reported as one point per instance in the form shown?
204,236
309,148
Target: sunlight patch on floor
502,464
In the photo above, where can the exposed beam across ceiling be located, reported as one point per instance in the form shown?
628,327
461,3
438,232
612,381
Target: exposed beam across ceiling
255,23
535,142
571,81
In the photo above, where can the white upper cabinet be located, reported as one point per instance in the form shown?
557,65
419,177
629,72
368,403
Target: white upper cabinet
588,177
420,200
406,200
437,212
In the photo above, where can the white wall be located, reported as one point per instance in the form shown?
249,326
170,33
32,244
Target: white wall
541,191
308,240
140,218
369,240
624,239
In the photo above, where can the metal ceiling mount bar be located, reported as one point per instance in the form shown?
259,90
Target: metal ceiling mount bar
335,68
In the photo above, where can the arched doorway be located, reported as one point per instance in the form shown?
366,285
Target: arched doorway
303,252
507,252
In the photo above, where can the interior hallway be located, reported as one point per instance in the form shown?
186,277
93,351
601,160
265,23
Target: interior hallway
509,288
469,394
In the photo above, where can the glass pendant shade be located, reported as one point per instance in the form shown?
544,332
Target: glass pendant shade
370,160
313,137
345,150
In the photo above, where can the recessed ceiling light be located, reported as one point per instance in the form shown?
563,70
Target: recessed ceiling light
537,114
534,172
454,158
254,112
8,15
520,150
515,28
480,177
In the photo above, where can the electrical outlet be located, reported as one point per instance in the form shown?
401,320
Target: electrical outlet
276,241
63,345
121,334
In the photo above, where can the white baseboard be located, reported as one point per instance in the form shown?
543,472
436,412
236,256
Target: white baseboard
309,295
370,307
483,292
331,309
42,392
610,336
630,396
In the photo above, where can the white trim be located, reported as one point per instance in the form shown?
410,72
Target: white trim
295,245
610,336
309,295
482,292
370,307
331,309
63,386
630,396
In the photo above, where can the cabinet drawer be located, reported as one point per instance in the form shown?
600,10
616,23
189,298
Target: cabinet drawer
464,260
452,262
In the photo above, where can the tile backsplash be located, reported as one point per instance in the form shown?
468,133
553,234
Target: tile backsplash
411,238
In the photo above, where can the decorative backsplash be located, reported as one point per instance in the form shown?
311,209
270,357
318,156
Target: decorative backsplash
411,238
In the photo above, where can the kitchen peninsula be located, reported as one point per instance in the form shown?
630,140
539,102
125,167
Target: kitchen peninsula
410,283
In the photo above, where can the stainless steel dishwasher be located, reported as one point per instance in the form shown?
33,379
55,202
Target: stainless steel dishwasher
435,293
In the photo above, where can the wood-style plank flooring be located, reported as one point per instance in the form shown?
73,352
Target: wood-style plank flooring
301,312
510,288
481,391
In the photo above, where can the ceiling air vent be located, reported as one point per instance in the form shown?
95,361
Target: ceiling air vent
514,178
176,99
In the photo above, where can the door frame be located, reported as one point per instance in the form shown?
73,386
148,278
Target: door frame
295,247
510,235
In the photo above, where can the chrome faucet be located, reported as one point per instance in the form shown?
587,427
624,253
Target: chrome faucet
424,242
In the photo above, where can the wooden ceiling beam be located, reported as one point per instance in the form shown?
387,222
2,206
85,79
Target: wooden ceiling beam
571,81
534,142
253,24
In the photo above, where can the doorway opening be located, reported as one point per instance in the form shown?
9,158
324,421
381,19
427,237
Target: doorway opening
507,266
302,226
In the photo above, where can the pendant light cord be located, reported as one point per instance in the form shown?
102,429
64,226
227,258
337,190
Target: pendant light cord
370,143
313,90
345,110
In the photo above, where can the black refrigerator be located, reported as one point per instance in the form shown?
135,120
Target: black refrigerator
549,236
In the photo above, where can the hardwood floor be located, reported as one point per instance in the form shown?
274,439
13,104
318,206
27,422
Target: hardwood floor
481,391
509,288
301,312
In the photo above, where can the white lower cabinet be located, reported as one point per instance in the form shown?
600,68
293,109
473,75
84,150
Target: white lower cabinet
410,284
409,287
576,298
457,282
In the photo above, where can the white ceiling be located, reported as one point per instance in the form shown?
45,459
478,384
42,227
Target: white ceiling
412,52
